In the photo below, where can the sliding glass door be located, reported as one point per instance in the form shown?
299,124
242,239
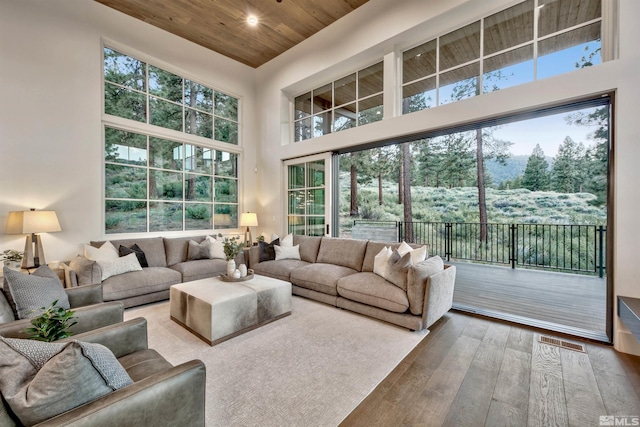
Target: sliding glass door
308,195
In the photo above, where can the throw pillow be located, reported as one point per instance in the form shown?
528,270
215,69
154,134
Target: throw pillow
217,248
287,241
31,293
6,312
380,261
283,252
87,271
397,268
267,251
135,249
114,267
416,281
40,380
417,254
199,250
105,252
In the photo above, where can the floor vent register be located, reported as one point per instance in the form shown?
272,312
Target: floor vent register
563,344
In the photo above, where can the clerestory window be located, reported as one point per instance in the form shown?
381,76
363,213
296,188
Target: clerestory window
532,40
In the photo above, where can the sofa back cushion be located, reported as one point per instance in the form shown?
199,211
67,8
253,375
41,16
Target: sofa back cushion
344,252
309,246
153,248
177,248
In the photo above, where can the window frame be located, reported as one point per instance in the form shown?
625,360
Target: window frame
154,131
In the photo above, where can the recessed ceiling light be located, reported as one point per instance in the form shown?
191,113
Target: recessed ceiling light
252,20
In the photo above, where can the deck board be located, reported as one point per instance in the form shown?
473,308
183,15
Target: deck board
566,299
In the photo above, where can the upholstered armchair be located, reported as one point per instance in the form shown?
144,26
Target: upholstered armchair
155,393
90,312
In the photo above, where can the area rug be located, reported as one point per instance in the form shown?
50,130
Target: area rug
311,368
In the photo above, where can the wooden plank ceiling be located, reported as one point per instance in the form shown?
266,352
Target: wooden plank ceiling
220,25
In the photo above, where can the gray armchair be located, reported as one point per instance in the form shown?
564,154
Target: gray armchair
161,394
86,301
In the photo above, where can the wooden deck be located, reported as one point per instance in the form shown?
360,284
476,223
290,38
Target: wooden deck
570,300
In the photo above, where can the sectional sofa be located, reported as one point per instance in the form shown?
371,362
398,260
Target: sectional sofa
340,272
168,265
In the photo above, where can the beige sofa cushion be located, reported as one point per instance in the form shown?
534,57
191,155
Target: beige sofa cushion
371,289
309,246
417,281
177,248
320,277
278,269
343,252
136,283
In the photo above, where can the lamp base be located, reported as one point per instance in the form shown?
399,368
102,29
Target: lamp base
33,252
248,239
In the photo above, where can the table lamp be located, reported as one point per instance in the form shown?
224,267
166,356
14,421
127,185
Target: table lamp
30,223
248,219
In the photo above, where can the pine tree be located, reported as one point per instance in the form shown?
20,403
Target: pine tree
536,174
564,175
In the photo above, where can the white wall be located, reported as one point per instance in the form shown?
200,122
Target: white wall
50,114
375,30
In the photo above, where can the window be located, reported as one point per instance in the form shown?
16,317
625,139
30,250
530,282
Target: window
142,92
154,184
531,40
351,101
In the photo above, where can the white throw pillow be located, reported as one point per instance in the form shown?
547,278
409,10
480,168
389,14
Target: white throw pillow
417,255
113,267
380,261
217,249
292,252
287,241
105,252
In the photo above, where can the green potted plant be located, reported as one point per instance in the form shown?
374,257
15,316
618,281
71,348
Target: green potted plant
12,258
232,247
52,325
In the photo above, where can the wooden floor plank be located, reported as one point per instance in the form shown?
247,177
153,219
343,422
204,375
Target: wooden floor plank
520,339
512,386
504,415
470,407
547,405
545,358
443,386
618,393
584,402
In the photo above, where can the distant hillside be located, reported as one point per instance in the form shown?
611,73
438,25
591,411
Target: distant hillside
514,166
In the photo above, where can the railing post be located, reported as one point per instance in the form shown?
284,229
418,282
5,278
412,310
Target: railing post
447,240
601,251
513,245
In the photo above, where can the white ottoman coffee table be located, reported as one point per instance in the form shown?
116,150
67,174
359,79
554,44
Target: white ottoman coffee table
216,311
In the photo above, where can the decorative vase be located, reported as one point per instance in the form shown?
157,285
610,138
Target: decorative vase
231,267
13,265
243,270
236,274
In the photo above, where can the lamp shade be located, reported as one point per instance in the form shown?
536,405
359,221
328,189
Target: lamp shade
248,219
28,222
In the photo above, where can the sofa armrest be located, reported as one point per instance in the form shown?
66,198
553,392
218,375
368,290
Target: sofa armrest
121,338
254,256
438,295
88,318
175,397
84,295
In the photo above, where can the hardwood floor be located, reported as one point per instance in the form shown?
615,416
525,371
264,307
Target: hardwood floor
473,371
